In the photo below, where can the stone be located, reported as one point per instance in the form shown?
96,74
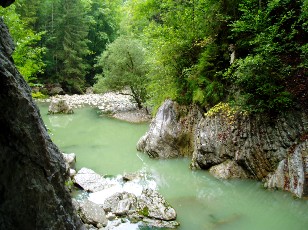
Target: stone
121,203
92,213
59,106
33,195
161,223
171,131
151,204
228,170
89,180
72,172
70,160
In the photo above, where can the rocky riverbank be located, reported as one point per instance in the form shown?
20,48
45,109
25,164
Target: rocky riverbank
234,145
117,105
124,201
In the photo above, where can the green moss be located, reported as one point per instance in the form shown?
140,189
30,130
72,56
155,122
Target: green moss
144,211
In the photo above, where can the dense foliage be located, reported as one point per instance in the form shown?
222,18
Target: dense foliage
248,53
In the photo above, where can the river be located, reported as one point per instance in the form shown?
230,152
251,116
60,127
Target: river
108,146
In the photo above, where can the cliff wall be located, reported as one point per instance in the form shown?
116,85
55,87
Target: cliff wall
32,170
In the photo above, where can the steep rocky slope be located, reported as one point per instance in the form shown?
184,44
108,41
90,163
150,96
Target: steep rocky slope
32,171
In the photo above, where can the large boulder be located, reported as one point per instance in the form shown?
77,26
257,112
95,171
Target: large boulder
171,131
228,170
32,170
59,106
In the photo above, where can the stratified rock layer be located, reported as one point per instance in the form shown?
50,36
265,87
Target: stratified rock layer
32,170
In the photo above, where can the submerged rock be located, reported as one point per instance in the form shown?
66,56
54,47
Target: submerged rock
228,170
59,106
90,180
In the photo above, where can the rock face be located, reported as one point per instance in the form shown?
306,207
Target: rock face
256,144
171,131
32,170
234,145
292,172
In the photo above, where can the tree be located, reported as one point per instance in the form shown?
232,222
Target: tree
124,67
28,54
102,31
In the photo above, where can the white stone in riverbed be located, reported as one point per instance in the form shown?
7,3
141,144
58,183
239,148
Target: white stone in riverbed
90,180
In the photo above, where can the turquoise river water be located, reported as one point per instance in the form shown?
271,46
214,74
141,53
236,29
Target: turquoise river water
108,146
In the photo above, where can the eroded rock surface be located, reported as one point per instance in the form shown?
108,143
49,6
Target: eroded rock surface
32,170
171,131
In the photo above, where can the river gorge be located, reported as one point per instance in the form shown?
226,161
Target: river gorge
108,146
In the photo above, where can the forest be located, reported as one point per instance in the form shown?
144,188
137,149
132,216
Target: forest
249,54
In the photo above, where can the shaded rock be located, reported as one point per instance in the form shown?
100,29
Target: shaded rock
292,172
121,203
151,204
171,131
90,180
59,106
228,170
33,195
92,213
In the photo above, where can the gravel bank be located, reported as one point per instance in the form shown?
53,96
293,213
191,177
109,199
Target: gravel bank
116,105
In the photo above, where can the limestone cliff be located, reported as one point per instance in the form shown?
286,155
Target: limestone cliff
32,171
233,145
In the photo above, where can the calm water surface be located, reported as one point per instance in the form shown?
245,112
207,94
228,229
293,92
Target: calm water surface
108,146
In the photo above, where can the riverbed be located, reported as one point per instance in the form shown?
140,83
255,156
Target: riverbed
108,146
